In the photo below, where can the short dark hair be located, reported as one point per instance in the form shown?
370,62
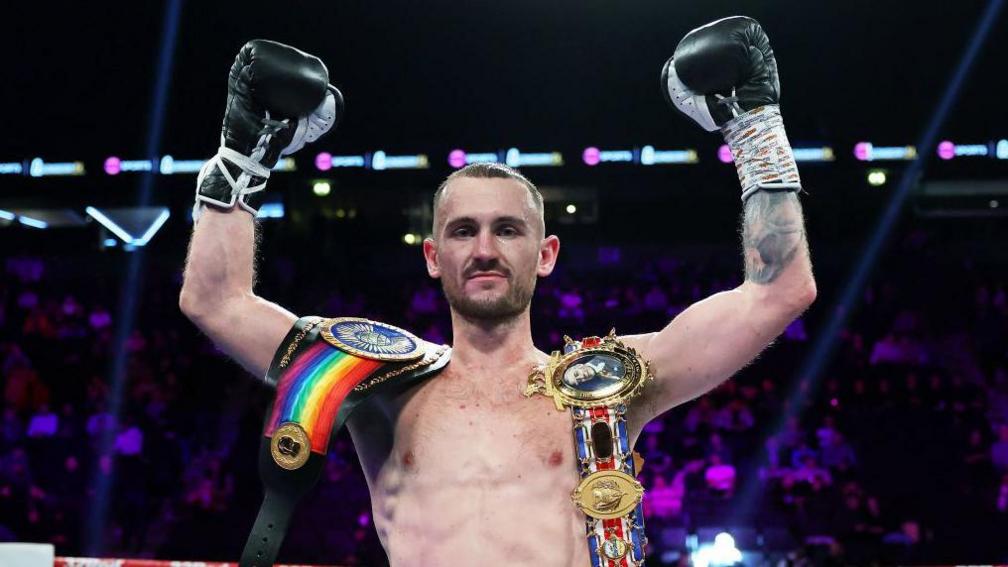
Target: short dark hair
491,170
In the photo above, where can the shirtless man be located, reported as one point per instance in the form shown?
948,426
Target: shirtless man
463,469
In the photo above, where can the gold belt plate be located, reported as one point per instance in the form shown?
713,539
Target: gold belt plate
606,374
607,494
290,446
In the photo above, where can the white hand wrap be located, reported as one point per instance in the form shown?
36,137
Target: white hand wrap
762,154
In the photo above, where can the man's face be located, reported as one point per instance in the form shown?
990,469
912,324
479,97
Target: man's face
488,248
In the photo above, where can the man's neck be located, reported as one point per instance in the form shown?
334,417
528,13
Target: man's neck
497,344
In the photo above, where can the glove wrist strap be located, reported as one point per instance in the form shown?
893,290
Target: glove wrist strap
215,173
761,151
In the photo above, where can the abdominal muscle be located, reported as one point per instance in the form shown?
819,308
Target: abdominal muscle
426,523
470,481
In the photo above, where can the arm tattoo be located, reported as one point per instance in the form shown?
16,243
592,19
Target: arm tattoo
772,233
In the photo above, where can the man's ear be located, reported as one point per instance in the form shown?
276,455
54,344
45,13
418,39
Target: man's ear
430,255
548,250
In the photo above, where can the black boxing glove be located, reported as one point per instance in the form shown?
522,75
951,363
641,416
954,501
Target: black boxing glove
724,76
720,71
279,99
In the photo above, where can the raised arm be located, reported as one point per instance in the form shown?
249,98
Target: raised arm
714,338
278,100
217,293
724,76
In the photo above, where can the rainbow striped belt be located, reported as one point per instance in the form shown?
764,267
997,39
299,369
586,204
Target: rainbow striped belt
596,377
323,370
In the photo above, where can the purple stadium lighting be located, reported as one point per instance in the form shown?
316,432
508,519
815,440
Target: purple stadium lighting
113,166
457,158
323,161
863,151
946,150
591,156
724,154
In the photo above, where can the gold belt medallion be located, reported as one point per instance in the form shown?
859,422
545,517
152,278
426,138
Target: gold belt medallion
607,494
290,446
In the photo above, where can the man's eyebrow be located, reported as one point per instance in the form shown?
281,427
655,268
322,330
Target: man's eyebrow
510,220
451,223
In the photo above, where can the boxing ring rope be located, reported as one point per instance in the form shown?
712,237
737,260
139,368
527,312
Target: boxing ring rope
120,562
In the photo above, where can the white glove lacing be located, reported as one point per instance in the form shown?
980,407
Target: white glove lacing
250,167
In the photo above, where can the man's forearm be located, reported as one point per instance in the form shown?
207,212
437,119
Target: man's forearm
773,239
220,265
217,293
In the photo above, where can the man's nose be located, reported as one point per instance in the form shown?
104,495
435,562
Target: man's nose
485,246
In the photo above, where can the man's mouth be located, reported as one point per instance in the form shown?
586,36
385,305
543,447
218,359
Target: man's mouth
484,276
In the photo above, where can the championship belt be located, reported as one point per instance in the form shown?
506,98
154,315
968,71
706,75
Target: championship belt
323,370
596,378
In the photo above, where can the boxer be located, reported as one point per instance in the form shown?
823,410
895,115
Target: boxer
464,468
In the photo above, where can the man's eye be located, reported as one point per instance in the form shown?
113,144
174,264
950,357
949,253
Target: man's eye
507,231
462,231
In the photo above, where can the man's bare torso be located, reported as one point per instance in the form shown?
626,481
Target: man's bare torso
465,470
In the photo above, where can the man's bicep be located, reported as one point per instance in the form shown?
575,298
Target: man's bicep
249,330
705,345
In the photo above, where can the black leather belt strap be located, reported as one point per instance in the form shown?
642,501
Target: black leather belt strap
284,488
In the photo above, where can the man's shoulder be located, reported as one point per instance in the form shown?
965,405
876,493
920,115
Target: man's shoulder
396,350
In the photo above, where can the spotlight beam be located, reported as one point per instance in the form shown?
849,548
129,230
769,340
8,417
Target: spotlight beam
840,312
96,521
825,343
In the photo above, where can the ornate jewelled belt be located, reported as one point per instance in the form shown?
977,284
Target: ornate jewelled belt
596,378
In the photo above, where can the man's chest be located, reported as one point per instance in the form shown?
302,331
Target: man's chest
481,433
453,428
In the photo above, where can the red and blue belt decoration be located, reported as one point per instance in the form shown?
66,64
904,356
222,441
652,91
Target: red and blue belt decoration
612,542
595,378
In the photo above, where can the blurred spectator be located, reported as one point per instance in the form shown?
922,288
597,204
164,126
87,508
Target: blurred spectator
838,455
43,423
793,435
665,498
1001,503
130,439
735,416
701,414
657,458
801,453
717,446
655,299
999,450
10,427
897,350
720,476
425,300
811,473
100,421
977,456
827,433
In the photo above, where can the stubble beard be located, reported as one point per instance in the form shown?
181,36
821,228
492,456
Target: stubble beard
499,309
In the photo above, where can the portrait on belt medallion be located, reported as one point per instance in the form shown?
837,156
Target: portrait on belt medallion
517,283
594,372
